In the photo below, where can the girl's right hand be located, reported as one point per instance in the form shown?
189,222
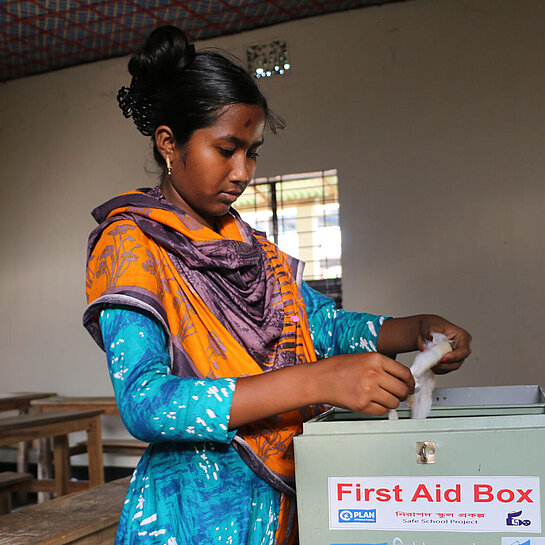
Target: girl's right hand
365,383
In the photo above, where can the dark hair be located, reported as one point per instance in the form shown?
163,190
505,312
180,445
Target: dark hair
175,86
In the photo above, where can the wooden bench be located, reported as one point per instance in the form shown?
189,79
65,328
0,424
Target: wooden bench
58,424
9,480
83,518
105,403
21,402
131,447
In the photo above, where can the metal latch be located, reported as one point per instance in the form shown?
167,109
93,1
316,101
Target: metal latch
425,452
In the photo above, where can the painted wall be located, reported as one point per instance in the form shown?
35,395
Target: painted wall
433,113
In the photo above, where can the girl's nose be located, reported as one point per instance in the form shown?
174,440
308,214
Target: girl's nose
242,171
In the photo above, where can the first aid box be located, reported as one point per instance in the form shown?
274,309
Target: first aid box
470,474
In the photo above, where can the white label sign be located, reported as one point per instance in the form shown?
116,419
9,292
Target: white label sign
450,504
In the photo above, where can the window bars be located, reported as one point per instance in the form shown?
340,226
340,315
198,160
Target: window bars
300,213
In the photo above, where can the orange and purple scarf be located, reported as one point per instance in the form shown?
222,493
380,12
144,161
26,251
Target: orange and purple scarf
230,302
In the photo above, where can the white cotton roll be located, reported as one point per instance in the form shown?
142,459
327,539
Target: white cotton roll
422,399
392,414
434,351
424,376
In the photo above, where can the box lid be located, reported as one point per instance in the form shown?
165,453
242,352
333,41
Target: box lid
467,401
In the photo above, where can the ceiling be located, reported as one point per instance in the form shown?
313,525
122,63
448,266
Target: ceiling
41,35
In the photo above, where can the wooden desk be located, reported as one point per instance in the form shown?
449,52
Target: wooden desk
106,404
20,401
86,518
58,424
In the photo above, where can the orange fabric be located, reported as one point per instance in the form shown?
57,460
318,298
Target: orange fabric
124,256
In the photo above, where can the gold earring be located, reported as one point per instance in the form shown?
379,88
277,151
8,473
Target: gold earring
169,166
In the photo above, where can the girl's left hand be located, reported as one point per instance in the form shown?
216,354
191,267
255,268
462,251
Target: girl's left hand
459,338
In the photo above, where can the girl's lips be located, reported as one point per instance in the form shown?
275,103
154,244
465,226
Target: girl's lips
229,197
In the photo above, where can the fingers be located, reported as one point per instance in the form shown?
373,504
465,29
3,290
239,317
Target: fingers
403,385
390,398
367,383
444,368
390,386
380,403
458,337
376,409
396,369
452,361
456,356
461,350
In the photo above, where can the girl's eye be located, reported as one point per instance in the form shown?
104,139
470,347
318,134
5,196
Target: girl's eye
252,155
226,152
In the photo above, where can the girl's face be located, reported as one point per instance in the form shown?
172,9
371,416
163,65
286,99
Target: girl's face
214,167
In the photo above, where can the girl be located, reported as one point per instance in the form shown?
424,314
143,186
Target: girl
217,350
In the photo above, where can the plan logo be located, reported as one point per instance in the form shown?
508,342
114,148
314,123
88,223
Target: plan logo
513,520
520,543
358,515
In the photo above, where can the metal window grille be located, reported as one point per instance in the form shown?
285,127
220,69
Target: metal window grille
268,59
300,213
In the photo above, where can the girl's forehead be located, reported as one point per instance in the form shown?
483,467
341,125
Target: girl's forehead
241,115
241,123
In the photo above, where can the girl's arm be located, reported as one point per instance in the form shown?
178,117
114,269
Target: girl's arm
371,383
407,334
368,383
335,331
363,382
155,405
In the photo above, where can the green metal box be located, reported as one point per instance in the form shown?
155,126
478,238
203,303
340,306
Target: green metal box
470,474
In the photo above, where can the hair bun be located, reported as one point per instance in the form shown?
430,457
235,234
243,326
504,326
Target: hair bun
165,53
136,104
173,86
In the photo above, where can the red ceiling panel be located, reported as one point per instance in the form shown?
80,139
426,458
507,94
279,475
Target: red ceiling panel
42,35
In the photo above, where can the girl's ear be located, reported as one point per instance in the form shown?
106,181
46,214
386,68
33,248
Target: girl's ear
164,140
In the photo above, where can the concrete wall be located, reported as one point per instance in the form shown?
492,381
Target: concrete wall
432,112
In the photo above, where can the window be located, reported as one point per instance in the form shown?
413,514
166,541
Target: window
300,213
268,59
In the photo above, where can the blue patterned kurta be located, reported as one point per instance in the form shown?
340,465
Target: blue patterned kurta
191,486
